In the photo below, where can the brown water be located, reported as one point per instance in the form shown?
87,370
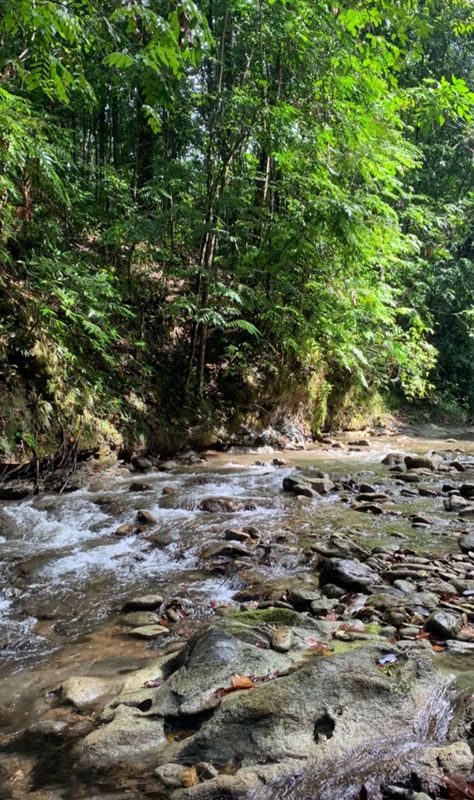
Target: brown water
64,575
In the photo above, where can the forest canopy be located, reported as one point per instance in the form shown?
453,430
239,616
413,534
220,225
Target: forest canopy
215,205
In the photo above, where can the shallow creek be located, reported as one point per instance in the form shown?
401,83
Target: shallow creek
65,575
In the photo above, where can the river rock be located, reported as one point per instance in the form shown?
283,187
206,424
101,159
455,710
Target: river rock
466,542
131,740
368,508
351,575
332,714
145,517
170,775
154,631
16,490
392,459
146,602
125,530
301,598
455,503
321,485
407,477
467,513
139,486
444,624
229,549
420,462
372,497
136,619
142,464
298,487
225,505
467,491
86,693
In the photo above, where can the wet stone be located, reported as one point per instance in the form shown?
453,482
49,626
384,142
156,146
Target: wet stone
444,624
125,530
352,575
225,505
145,517
467,512
298,487
466,542
136,619
301,598
369,508
149,631
146,602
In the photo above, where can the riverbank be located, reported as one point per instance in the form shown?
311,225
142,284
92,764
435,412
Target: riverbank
359,578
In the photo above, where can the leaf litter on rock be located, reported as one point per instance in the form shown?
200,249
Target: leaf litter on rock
458,787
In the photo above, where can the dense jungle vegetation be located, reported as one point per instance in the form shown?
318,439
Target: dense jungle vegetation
219,207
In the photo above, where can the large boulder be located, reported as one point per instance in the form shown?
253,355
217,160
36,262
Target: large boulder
322,724
350,575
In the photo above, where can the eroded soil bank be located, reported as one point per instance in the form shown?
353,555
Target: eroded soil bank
245,625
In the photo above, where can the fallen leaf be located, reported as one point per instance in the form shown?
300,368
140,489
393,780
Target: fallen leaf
242,682
458,787
422,635
438,648
189,777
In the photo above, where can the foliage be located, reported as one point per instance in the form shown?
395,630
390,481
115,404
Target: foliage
192,194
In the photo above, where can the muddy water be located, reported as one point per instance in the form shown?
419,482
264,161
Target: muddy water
65,575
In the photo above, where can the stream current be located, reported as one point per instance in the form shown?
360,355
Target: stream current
65,574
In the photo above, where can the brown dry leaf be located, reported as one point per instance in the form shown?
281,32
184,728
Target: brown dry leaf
467,633
189,777
438,648
458,787
422,635
242,682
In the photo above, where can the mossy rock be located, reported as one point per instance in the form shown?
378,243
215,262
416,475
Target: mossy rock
269,616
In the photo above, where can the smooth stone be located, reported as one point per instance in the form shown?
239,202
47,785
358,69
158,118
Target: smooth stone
392,459
321,486
145,517
301,598
137,619
149,631
137,486
298,487
228,549
125,530
408,477
85,693
333,592
170,775
142,464
467,490
146,602
455,503
372,497
467,512
369,508
225,505
420,462
352,575
443,623
466,542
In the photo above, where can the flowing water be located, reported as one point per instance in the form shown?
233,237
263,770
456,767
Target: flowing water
65,575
